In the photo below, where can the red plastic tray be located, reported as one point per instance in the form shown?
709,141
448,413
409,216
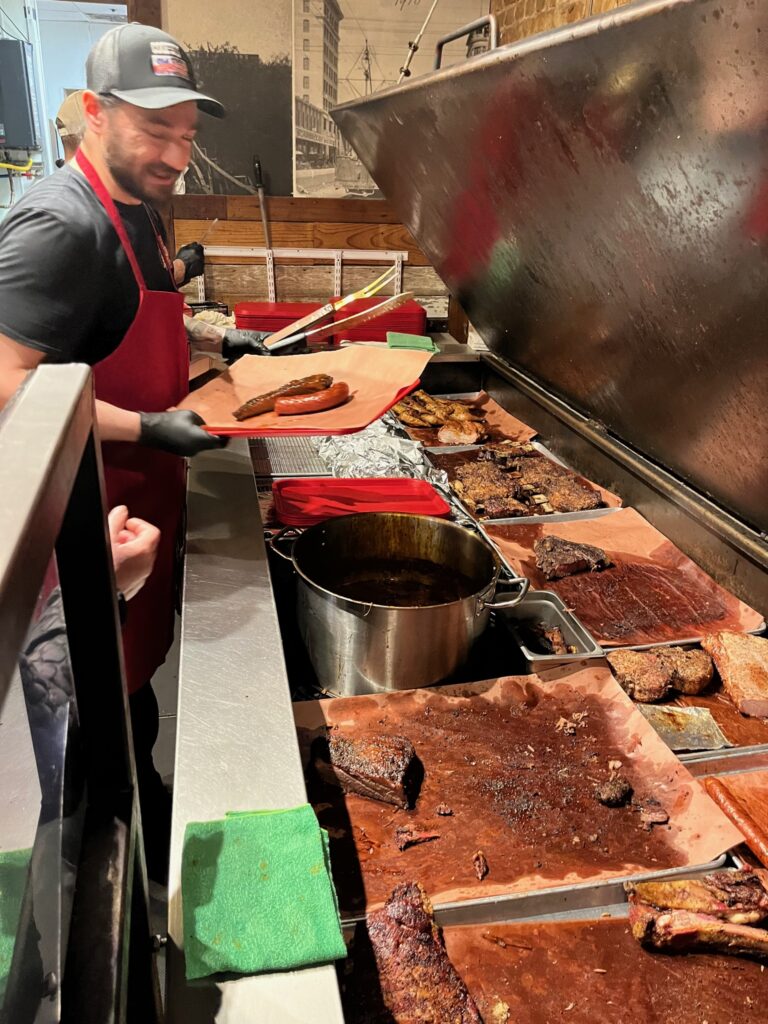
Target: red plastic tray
304,501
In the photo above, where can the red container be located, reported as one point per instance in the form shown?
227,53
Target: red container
304,501
273,316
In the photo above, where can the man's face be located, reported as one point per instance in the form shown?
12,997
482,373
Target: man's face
147,150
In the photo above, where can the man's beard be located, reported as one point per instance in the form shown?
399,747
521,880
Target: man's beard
131,182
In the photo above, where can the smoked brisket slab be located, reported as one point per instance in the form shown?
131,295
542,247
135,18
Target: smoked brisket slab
742,661
418,982
557,557
377,766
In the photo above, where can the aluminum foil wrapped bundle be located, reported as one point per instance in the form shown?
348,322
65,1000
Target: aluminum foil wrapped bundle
375,452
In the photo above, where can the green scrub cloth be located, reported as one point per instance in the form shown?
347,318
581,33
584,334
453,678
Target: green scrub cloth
257,894
417,341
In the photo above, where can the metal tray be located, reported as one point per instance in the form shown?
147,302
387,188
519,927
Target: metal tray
547,608
554,517
730,754
561,902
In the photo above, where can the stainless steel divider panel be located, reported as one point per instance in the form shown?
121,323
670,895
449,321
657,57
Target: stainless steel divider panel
236,747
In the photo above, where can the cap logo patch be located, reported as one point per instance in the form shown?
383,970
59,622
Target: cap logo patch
167,59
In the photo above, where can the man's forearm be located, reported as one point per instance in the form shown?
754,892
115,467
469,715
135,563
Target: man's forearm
117,424
206,337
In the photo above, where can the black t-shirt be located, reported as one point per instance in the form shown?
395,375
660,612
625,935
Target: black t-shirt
66,286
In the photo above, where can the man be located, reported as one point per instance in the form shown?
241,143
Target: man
188,263
85,276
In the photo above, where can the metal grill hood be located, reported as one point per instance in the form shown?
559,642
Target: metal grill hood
597,199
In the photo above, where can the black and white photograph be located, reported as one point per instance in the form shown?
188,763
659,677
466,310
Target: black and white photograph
243,58
347,49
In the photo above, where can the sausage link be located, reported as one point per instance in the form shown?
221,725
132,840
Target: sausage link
328,399
755,837
266,402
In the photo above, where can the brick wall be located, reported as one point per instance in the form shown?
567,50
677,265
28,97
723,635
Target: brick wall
521,18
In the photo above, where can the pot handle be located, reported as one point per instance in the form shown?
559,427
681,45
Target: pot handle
522,583
275,539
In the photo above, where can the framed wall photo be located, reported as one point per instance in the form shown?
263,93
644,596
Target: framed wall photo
346,49
241,52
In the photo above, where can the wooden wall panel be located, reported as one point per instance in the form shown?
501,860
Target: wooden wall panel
305,223
296,235
246,232
233,284
369,236
299,208
345,211
148,12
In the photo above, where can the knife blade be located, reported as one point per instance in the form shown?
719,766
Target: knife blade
366,292
319,333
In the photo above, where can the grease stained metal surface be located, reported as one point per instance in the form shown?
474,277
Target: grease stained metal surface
597,199
237,747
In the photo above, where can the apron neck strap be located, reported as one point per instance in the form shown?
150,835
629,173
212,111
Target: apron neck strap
166,256
108,203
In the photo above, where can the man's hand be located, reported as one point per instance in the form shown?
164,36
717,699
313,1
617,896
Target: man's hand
134,546
243,343
192,255
179,432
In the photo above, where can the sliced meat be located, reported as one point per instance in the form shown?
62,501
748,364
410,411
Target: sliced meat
506,453
478,482
690,672
739,897
564,491
461,431
419,984
377,766
504,508
558,557
640,674
742,661
683,931
649,676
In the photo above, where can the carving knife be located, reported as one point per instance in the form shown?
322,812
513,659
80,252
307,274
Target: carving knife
319,333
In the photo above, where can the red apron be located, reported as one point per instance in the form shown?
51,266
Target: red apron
148,372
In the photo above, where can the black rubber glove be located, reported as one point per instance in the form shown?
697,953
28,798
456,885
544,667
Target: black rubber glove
192,255
179,432
243,343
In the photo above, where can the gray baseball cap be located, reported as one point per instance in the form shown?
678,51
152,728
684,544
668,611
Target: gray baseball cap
146,67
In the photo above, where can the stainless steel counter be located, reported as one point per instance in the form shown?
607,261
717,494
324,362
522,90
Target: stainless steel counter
236,746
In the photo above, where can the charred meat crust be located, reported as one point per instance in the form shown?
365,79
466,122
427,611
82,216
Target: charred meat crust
377,766
649,676
739,897
512,479
557,557
684,931
419,984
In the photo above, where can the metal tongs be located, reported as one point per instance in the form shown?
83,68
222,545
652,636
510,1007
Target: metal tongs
298,330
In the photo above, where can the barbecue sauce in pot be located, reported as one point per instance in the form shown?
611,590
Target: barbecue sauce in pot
402,583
